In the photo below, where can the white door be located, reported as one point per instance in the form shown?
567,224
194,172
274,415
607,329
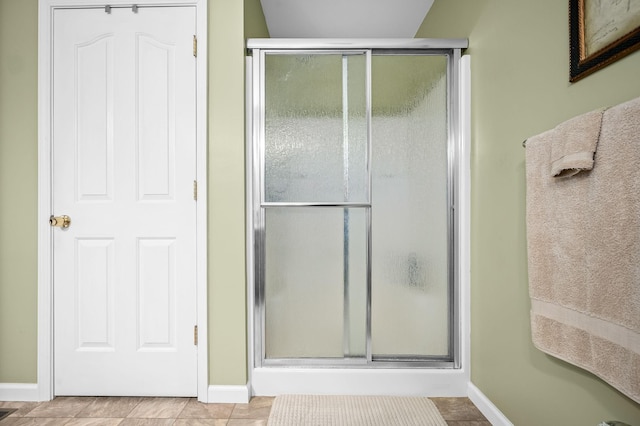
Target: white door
124,156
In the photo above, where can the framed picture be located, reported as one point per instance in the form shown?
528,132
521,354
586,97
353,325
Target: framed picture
601,32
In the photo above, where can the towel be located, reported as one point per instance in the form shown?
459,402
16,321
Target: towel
583,241
575,144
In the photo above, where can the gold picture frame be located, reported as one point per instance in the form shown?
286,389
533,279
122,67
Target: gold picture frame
601,32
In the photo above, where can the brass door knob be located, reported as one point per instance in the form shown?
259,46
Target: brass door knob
63,221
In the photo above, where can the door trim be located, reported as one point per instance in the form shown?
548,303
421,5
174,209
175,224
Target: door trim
45,360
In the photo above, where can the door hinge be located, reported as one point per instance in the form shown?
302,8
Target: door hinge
195,190
195,335
195,46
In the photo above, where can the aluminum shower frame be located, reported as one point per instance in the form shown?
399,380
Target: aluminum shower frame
257,204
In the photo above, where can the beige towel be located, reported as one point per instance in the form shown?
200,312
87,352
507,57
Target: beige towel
583,236
575,144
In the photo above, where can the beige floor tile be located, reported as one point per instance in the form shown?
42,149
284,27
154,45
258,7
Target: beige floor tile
262,401
158,408
21,407
258,408
458,409
247,422
89,411
6,411
65,406
198,410
110,407
33,421
147,422
94,421
200,422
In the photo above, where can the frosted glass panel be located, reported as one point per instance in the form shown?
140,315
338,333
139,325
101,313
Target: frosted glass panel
314,259
410,288
315,128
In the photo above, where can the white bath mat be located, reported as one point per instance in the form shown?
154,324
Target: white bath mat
331,410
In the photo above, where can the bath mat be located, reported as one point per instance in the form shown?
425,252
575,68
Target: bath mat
321,410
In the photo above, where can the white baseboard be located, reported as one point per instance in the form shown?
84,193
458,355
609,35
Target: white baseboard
486,407
19,392
30,392
274,381
235,394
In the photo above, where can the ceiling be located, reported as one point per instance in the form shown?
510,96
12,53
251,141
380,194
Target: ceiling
344,18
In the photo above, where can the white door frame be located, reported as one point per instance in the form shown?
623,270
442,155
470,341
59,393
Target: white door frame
45,265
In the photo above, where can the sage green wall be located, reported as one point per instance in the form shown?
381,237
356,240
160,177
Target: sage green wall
230,22
18,190
520,87
227,282
255,25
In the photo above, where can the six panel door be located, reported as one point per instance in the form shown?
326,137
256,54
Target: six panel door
124,155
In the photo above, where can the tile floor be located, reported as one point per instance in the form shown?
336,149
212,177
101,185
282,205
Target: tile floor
128,411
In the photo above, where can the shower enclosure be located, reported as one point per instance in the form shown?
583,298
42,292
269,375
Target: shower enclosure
352,160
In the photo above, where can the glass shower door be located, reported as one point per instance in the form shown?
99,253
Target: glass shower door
315,206
411,287
354,225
